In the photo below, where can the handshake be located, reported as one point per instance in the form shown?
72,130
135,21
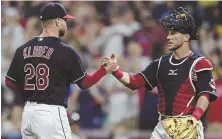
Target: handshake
110,63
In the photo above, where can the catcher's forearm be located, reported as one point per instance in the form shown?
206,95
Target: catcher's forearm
131,81
203,101
201,106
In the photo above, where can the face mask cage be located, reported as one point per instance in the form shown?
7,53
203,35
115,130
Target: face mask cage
180,20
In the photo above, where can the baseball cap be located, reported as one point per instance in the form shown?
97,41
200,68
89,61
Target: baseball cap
54,10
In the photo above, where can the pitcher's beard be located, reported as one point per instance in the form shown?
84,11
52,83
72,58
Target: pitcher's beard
61,33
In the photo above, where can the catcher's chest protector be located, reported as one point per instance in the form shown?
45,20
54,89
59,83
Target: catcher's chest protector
176,90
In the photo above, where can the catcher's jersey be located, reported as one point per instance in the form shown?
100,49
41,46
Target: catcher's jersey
179,83
43,69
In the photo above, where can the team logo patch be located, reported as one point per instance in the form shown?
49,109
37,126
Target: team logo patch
212,84
193,75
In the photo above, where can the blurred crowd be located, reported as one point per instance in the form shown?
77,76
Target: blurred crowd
128,29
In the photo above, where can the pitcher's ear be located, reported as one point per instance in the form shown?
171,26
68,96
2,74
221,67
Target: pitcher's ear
57,22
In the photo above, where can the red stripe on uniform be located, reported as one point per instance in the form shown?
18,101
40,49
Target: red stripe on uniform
10,84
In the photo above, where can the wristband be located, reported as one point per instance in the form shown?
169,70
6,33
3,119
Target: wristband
118,74
197,113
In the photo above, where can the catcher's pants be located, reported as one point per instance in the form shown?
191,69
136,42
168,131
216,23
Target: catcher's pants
42,121
160,133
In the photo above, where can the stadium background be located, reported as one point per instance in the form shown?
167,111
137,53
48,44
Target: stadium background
128,29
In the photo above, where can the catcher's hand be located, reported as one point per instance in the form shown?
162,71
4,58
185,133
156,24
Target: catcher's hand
181,127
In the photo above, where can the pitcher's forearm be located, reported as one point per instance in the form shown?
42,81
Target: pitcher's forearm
92,78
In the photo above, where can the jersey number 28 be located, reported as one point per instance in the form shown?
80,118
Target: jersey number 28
41,74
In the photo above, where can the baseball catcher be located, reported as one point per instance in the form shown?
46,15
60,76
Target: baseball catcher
183,79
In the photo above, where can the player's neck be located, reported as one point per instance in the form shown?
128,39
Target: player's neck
49,32
182,52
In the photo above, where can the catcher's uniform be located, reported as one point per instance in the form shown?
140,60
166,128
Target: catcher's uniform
179,84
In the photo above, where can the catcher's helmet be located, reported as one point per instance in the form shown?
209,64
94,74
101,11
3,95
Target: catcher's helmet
180,20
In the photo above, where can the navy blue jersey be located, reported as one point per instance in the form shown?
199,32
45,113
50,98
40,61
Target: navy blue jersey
178,83
43,69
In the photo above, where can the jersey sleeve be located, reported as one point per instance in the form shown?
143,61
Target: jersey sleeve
205,82
149,74
77,71
12,73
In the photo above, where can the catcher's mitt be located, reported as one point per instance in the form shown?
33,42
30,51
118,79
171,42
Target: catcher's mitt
181,127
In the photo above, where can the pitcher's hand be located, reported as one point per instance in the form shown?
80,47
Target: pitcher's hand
110,63
104,61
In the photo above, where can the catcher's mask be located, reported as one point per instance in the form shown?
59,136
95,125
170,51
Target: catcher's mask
180,20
